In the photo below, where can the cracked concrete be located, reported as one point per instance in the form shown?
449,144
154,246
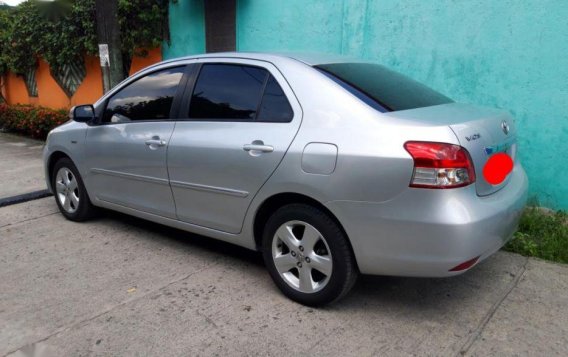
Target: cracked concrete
533,319
474,336
122,286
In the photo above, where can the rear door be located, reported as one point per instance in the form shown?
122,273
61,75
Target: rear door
240,118
126,151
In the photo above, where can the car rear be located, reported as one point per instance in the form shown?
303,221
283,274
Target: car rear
450,217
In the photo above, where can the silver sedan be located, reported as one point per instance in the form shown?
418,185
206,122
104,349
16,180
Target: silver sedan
329,166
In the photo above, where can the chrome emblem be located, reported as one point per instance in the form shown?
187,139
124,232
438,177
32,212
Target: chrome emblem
505,127
473,137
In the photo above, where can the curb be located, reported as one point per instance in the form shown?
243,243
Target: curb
30,196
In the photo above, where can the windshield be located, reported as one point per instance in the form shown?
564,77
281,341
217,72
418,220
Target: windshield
389,90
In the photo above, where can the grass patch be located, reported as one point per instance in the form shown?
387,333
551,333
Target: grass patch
542,234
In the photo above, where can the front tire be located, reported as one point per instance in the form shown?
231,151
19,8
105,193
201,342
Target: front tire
308,256
69,191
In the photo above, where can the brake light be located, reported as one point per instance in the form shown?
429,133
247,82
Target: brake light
440,165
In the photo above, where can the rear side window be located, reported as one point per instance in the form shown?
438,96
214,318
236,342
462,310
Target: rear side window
228,92
388,89
274,106
148,98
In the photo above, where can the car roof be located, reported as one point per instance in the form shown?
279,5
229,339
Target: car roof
311,59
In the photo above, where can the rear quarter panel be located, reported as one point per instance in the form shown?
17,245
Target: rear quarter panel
372,164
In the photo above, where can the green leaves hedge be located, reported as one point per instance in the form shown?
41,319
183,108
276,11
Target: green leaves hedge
61,31
32,121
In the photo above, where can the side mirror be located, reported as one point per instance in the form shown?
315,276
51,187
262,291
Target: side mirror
82,113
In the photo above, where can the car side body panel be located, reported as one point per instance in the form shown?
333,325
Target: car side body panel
122,169
363,182
68,139
213,178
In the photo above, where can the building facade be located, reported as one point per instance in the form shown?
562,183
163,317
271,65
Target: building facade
509,54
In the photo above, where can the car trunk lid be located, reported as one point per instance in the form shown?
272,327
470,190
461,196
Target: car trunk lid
482,131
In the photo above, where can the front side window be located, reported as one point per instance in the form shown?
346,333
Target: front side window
148,98
238,93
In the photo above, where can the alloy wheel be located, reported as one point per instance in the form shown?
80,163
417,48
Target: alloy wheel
302,256
67,190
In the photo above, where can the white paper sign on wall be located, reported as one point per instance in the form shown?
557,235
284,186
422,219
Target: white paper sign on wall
104,56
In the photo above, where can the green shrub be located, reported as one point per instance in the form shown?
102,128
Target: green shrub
29,120
542,234
62,31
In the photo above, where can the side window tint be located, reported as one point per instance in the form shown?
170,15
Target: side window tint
227,92
274,106
149,98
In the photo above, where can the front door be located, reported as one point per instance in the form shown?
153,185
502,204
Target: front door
127,151
242,118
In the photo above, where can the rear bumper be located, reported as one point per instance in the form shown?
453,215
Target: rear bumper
424,232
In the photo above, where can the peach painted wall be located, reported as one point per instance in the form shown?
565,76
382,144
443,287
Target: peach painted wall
49,93
52,96
91,88
138,63
15,90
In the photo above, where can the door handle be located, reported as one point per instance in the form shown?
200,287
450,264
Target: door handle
155,142
258,147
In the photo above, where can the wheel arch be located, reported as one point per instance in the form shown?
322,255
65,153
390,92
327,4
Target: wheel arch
273,203
52,160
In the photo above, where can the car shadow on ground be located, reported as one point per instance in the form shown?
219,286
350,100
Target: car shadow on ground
188,239
429,296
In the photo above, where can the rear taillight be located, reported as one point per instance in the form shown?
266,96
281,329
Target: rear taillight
440,165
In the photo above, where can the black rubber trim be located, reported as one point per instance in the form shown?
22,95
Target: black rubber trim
30,196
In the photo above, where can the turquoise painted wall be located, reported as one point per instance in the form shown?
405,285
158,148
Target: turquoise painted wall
509,54
187,29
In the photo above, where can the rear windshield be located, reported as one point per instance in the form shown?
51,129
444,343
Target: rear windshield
381,88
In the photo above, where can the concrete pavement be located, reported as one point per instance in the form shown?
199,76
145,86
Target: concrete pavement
122,286
22,166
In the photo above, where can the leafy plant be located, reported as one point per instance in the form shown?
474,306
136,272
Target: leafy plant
5,24
143,24
61,31
542,234
28,120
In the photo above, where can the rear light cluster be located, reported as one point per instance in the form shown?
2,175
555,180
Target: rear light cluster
440,165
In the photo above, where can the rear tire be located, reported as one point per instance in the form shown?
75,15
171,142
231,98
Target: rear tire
69,191
308,256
